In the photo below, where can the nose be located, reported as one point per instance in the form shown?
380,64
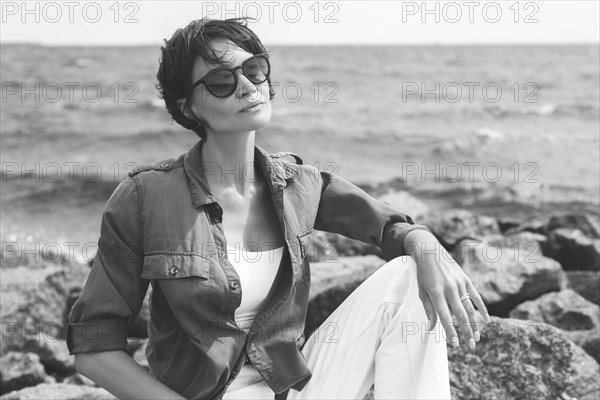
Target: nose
245,86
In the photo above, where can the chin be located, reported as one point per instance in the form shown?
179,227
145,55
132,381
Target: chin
258,120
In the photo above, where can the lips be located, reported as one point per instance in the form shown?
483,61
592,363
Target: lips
251,106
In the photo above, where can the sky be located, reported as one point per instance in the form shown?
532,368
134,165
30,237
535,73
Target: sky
307,22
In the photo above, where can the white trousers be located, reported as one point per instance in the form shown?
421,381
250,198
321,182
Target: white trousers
379,336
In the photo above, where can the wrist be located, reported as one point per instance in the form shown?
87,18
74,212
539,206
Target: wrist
416,240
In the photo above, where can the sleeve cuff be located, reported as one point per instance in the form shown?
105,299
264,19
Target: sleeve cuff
392,244
97,335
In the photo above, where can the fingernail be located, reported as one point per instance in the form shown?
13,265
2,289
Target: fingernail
471,343
455,341
487,318
477,337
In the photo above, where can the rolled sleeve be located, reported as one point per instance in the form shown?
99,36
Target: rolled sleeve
346,209
114,291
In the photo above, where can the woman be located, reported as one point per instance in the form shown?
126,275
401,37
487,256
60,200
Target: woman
227,216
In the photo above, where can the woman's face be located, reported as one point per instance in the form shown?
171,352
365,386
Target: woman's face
226,115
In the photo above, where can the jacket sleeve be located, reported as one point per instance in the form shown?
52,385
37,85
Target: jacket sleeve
114,291
346,209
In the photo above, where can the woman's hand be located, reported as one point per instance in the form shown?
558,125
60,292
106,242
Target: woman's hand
442,282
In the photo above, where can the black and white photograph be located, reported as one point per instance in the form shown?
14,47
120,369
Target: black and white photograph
300,200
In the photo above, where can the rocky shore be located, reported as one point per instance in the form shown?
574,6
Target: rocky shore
539,277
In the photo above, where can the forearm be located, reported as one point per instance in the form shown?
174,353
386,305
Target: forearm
120,375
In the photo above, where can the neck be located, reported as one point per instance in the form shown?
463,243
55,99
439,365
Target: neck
230,162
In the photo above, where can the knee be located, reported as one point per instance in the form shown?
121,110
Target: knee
403,268
402,265
397,279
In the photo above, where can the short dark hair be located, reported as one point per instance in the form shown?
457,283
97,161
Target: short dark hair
179,53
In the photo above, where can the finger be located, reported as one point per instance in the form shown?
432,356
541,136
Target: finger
462,316
441,307
429,309
478,301
472,315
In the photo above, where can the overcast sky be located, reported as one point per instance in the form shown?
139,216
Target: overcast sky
307,22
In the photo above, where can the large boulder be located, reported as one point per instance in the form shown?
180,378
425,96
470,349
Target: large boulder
573,249
586,223
521,360
567,310
450,226
584,383
508,273
32,301
533,226
33,298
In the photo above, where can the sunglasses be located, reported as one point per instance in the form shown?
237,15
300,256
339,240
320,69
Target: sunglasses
222,82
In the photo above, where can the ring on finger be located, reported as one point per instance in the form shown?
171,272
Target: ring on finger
465,297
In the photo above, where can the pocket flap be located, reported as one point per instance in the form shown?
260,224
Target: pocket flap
173,266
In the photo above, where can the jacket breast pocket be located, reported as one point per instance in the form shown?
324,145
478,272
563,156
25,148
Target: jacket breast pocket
175,266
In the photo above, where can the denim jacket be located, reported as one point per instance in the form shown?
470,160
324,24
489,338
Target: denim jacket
162,226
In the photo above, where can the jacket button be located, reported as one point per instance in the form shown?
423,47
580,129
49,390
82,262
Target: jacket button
173,271
233,285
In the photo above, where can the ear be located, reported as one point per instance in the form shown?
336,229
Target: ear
181,107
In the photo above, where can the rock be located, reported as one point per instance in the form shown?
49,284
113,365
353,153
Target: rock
589,341
534,226
586,223
584,383
53,353
60,391
506,223
526,240
33,300
450,226
586,283
567,310
522,360
407,203
332,282
508,276
79,379
19,370
574,250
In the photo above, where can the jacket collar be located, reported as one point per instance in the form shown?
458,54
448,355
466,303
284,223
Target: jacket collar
276,172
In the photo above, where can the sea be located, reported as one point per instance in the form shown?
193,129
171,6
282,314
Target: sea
506,130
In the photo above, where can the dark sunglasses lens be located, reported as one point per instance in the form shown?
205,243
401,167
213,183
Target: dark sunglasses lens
257,69
221,83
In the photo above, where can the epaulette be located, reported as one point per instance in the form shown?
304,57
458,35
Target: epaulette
158,166
287,153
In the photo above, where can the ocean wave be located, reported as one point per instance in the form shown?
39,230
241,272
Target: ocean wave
471,143
544,110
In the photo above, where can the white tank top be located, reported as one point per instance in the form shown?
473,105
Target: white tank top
257,272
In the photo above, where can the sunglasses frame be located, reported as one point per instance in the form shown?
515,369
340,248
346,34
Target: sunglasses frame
235,75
